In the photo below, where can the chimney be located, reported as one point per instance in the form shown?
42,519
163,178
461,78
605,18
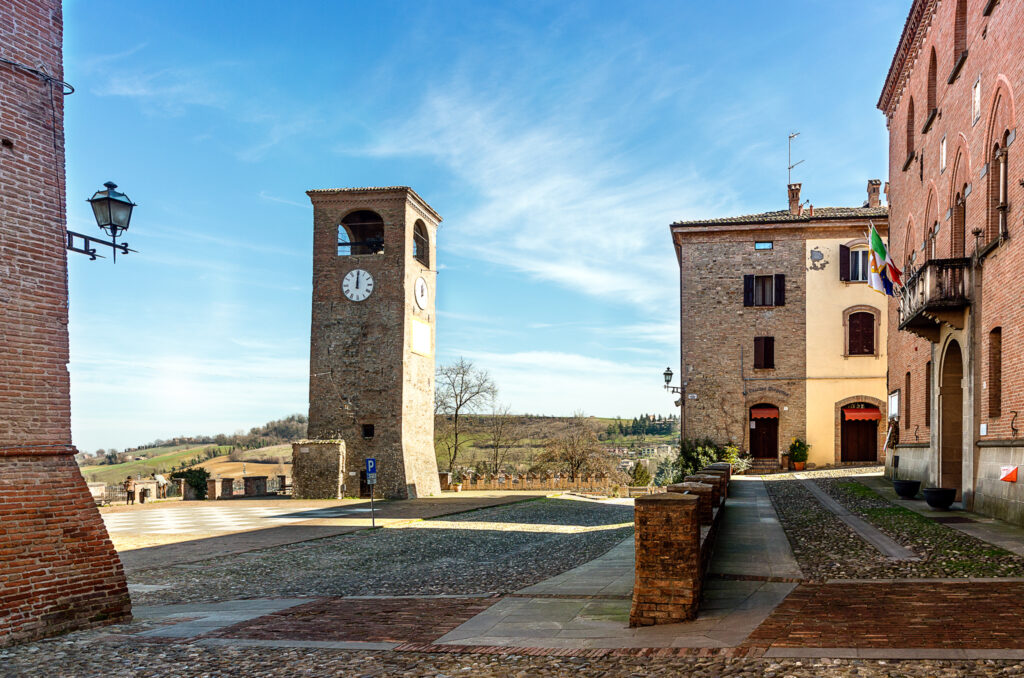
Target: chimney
874,185
794,198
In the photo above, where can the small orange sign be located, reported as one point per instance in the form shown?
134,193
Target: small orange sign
1008,473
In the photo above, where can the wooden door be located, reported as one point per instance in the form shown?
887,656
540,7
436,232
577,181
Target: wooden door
859,441
764,439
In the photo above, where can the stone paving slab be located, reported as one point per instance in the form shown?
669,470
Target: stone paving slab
199,620
751,541
992,530
889,547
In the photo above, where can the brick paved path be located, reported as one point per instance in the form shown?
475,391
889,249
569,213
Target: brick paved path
904,614
363,620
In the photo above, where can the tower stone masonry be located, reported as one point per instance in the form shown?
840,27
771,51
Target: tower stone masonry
371,380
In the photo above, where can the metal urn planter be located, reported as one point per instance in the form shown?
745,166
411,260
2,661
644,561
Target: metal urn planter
906,489
940,498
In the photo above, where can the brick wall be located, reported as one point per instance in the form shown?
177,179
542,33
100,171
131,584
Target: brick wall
318,470
924,195
58,569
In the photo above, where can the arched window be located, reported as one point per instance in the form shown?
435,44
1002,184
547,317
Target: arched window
959,224
960,31
933,75
861,325
910,130
906,401
421,244
995,372
361,232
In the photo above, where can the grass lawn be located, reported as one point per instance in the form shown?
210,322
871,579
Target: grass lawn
161,463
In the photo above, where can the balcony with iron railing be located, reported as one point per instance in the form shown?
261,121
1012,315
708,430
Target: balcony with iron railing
936,293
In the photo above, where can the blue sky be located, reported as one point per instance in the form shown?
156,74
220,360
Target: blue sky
557,139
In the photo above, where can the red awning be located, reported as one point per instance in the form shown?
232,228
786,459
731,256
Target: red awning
764,413
862,414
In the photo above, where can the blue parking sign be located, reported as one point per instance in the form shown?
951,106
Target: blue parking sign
371,466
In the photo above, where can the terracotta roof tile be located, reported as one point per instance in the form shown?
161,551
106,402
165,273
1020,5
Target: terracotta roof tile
785,216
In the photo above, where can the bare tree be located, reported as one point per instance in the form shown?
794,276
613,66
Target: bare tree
577,449
462,388
504,432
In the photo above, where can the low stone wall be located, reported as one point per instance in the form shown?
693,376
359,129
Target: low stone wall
596,485
318,469
915,460
674,536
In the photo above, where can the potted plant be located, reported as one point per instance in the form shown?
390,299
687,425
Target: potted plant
798,453
458,476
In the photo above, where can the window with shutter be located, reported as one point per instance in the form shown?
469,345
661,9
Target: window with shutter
780,289
861,330
928,393
764,290
906,402
764,353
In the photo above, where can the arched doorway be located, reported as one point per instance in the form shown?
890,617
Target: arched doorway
764,431
951,409
858,432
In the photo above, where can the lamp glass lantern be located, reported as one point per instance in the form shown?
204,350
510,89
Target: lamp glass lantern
112,209
668,376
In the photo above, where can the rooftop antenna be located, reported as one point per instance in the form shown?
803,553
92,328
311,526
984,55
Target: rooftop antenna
792,164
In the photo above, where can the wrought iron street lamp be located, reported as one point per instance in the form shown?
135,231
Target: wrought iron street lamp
668,381
681,403
113,212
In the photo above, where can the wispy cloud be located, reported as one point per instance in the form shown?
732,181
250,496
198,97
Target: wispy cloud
284,201
555,200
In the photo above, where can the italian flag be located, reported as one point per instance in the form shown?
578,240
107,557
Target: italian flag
883,273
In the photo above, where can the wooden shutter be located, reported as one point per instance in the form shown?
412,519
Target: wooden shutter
844,263
764,353
862,334
748,290
780,289
995,373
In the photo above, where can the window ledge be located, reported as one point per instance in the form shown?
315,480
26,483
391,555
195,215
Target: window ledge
956,68
860,355
929,120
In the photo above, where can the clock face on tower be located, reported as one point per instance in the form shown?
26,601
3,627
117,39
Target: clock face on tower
357,285
421,293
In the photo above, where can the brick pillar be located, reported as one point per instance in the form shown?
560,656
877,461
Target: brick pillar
716,483
706,494
213,488
724,475
668,564
722,466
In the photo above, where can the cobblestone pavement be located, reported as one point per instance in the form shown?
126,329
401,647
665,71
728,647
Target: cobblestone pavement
827,548
499,549
86,655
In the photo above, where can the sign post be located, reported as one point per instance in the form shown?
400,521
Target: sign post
371,480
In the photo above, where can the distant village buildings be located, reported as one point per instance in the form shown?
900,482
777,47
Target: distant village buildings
956,338
781,335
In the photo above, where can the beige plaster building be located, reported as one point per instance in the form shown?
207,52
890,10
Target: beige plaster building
781,335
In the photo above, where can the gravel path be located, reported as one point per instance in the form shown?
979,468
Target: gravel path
826,548
499,549
74,658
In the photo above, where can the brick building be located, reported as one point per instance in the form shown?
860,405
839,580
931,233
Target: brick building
58,569
781,336
956,336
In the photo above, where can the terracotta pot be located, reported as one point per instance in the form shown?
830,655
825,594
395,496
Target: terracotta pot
798,465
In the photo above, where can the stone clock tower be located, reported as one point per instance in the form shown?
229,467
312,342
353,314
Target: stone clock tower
371,377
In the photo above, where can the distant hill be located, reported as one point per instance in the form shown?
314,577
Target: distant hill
176,457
